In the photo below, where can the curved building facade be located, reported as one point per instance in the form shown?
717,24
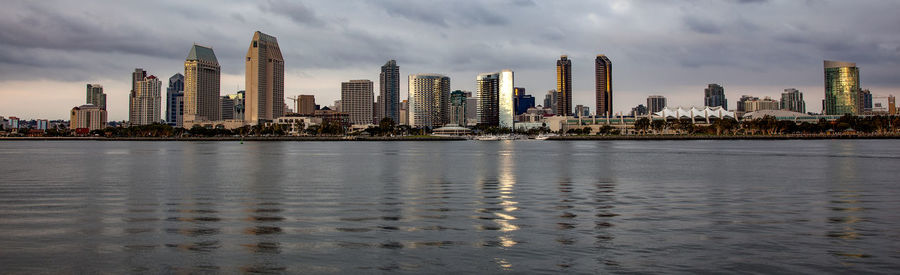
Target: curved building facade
841,88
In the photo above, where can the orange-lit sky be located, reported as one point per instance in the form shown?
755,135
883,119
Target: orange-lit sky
49,50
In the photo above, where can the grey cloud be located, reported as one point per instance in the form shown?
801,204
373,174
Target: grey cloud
702,26
444,14
296,11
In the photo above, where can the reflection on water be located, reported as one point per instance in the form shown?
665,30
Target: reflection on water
437,207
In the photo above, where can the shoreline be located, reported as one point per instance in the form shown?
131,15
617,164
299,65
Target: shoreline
437,138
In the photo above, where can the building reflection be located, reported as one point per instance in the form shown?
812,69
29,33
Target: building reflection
845,204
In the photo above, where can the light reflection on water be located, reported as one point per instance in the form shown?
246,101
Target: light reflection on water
427,207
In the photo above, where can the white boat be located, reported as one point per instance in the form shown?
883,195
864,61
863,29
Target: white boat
543,137
487,138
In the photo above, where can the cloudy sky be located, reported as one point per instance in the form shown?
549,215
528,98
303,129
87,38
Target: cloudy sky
49,50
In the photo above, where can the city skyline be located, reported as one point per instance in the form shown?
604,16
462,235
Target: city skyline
645,62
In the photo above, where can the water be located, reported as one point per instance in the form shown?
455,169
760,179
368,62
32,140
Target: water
816,206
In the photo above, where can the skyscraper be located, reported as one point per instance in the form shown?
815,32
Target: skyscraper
603,80
429,96
841,88
389,88
306,104
487,89
144,101
458,108
656,103
95,96
564,86
201,85
865,101
175,100
90,117
233,106
506,108
792,100
892,105
551,100
357,100
264,78
714,95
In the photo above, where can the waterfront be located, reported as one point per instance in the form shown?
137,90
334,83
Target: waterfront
793,206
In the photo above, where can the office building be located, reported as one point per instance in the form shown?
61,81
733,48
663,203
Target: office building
144,100
264,79
233,106
656,103
487,88
404,112
458,102
522,101
749,104
95,96
892,105
201,85
356,100
792,100
471,108
88,117
564,86
389,90
841,88
506,108
41,124
175,100
306,104
429,96
714,96
603,88
551,100
582,111
639,110
865,101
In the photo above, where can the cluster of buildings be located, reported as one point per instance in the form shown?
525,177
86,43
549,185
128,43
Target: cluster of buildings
194,99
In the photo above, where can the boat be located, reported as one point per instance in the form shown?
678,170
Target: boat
487,138
543,137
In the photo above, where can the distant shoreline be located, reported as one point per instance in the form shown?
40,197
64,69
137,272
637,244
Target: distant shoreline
436,138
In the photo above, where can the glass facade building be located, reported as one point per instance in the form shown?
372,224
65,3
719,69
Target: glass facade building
507,109
458,108
603,88
841,88
714,96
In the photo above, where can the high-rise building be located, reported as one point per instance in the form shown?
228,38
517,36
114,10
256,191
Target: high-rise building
752,104
551,100
90,117
521,100
458,108
656,103
264,78
356,100
471,107
389,88
582,111
95,96
603,80
429,96
233,106
306,104
865,101
639,110
506,108
144,101
487,88
841,88
175,100
792,100
404,113
564,86
714,95
201,85
892,105
42,124
227,104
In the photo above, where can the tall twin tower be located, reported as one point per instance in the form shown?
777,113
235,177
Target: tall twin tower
264,79
602,80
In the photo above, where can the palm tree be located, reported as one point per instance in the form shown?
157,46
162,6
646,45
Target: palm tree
642,124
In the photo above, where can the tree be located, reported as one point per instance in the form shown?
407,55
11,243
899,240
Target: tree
658,125
386,125
642,124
